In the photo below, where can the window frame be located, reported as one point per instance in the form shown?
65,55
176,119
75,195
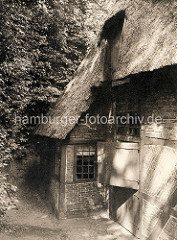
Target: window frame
76,179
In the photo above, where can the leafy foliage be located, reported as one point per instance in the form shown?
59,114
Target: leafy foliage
41,45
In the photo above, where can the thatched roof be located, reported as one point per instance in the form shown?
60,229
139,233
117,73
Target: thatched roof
77,96
147,41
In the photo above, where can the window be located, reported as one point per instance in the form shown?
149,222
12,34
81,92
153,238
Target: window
128,119
131,127
86,163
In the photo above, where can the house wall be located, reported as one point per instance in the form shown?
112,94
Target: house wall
68,196
157,97
81,198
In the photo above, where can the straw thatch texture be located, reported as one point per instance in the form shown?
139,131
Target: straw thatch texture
77,96
148,39
147,42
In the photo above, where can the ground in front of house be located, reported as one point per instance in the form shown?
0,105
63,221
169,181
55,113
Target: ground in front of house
33,220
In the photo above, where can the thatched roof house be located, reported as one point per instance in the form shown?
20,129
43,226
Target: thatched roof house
145,40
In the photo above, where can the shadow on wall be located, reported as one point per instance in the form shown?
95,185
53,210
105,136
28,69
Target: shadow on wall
37,177
158,203
38,174
123,194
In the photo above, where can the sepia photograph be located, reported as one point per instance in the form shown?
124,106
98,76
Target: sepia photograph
88,120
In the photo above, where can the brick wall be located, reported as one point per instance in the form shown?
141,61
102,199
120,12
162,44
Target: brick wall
83,198
161,103
87,132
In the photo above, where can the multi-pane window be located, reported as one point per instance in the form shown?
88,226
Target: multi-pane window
132,125
86,163
128,119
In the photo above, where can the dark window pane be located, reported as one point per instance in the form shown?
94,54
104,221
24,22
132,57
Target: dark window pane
85,176
79,161
85,160
91,162
91,169
131,131
121,130
79,169
85,169
137,132
79,176
91,176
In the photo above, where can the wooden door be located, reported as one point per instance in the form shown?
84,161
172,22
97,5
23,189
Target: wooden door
119,168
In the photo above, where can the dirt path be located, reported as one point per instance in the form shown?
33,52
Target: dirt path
34,221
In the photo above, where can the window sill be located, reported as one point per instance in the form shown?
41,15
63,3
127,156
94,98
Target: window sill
85,181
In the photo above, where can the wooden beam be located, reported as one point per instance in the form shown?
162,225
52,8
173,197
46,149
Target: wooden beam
120,82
